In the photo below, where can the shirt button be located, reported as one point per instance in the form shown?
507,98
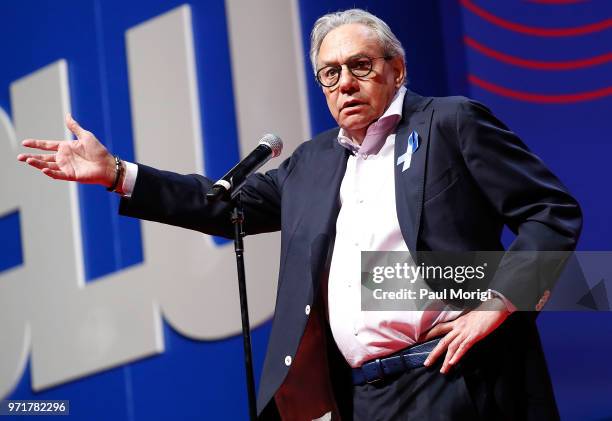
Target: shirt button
288,360
307,310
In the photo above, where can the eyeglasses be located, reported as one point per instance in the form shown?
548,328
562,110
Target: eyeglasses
359,67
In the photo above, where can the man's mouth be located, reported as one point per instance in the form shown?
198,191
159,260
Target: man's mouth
351,104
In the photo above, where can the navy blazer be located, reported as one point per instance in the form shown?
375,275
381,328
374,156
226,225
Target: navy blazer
470,177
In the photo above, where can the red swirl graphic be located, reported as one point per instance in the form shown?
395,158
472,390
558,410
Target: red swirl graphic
534,30
537,64
540,98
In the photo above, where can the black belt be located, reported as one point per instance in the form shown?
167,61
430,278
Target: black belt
378,369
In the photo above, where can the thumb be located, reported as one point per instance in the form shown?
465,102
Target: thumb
73,126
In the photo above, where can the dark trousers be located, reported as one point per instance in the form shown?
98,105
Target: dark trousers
418,394
503,377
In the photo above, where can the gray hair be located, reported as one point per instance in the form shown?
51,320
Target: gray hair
326,23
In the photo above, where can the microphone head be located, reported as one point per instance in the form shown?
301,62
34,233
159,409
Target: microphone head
273,142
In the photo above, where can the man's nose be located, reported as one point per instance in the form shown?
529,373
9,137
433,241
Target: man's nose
348,81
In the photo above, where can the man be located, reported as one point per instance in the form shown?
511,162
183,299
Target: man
401,173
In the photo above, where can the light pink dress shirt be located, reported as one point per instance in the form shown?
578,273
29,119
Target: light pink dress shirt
368,221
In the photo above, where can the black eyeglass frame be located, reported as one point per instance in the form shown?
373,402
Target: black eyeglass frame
339,68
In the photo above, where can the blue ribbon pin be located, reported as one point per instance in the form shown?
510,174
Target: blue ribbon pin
413,145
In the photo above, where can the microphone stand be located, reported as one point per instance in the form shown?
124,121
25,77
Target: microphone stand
237,217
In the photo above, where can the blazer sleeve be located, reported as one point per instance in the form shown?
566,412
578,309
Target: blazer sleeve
180,200
535,205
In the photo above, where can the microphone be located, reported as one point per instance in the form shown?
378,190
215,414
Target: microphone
270,146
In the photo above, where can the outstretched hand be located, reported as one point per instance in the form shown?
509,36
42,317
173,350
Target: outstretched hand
85,160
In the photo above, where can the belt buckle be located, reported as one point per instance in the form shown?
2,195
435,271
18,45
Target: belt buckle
380,372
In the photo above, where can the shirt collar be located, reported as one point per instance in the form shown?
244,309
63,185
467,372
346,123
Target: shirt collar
378,130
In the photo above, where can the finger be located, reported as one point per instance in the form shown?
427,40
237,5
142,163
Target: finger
37,163
463,348
73,126
450,352
25,156
438,330
45,145
57,175
440,348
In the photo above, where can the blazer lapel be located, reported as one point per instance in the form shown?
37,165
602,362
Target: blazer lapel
324,206
409,183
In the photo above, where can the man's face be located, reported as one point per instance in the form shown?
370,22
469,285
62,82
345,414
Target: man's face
357,102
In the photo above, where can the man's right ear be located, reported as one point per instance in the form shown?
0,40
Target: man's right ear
399,70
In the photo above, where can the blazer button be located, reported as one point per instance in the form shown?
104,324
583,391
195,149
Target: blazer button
307,309
288,360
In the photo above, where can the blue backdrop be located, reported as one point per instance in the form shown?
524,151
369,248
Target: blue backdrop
543,66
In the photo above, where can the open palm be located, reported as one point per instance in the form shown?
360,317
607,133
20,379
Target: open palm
84,160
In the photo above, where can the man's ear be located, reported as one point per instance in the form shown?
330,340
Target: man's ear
399,70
